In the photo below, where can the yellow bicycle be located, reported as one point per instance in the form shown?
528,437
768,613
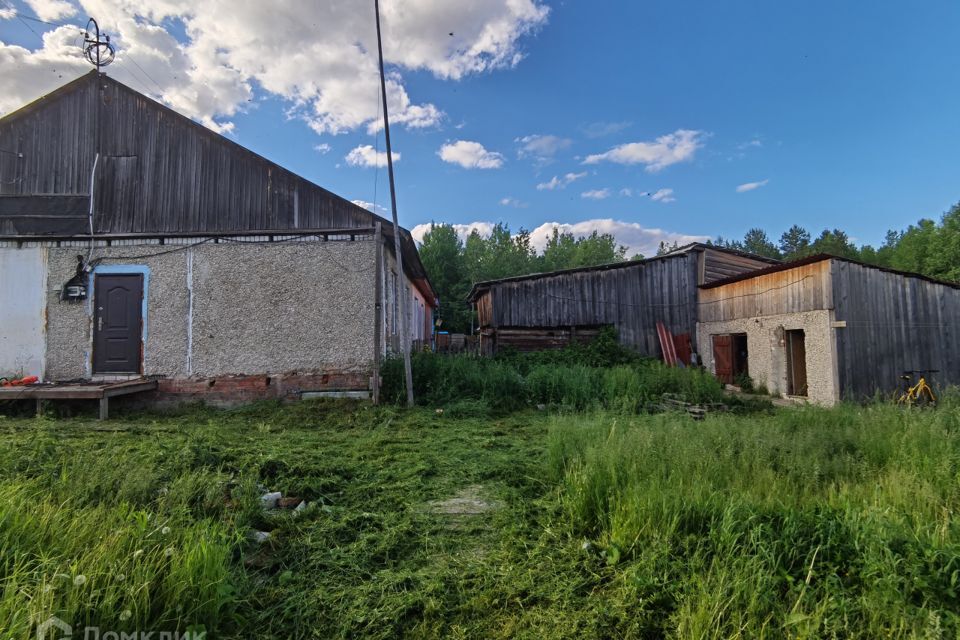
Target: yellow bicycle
920,394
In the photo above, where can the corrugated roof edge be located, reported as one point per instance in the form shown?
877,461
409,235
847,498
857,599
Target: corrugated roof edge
820,257
418,271
477,287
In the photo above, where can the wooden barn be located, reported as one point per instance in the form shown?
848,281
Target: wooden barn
135,242
827,328
550,310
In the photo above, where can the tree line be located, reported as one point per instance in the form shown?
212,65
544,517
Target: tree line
929,247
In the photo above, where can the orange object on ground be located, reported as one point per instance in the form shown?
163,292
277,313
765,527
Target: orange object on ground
21,382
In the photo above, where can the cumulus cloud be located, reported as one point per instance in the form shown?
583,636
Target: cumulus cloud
470,155
510,201
663,195
634,236
323,148
52,9
750,186
679,146
541,148
463,230
208,57
560,182
366,156
369,206
596,194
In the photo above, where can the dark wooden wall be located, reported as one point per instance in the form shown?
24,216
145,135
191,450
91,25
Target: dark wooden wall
894,323
631,298
158,172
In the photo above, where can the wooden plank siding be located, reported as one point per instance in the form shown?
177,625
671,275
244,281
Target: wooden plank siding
632,299
158,172
894,323
803,288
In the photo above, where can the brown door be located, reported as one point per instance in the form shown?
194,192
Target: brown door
796,363
117,323
723,358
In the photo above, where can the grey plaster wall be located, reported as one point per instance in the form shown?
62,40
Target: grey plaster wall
766,354
279,308
256,308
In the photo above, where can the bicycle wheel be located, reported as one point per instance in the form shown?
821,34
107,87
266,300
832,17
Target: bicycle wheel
925,397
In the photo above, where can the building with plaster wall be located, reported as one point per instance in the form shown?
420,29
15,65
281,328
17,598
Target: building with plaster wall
203,264
829,329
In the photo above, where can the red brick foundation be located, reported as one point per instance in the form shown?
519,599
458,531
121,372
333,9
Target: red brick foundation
230,391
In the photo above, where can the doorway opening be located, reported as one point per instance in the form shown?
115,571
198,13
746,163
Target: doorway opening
730,357
796,362
740,356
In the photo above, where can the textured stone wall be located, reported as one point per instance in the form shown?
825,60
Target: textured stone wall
223,309
766,354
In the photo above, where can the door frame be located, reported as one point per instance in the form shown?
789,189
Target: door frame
118,270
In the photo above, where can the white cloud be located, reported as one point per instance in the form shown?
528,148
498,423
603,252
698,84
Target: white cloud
369,206
542,148
510,201
52,9
7,13
596,194
626,192
463,230
323,148
470,155
366,156
560,182
755,142
634,236
663,195
321,57
679,146
750,186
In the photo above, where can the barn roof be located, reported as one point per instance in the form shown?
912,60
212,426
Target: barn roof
480,287
820,257
154,172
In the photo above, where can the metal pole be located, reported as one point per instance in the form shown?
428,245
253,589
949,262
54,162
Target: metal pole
404,320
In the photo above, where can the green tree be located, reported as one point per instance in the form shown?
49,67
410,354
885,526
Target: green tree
756,241
442,255
836,243
795,243
943,260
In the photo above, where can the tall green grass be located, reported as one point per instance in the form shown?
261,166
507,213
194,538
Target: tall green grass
510,384
810,523
121,539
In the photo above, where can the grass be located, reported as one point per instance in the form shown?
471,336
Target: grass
802,523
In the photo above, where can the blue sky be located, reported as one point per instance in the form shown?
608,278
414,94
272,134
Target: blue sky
838,114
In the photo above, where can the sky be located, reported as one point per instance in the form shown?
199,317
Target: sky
653,120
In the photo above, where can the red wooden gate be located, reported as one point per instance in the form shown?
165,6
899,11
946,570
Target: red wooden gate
723,358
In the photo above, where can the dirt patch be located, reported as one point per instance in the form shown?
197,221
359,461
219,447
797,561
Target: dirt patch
469,501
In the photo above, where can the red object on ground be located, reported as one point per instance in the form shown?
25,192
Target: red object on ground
666,345
21,382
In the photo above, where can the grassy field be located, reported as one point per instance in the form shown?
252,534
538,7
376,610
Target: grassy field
804,523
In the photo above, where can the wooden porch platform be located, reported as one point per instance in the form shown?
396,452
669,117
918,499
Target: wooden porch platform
101,391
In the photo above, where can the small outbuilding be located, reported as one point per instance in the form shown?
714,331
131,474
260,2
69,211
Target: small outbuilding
136,242
551,310
827,329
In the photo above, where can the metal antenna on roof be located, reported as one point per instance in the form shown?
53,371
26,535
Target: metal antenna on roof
404,319
96,46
